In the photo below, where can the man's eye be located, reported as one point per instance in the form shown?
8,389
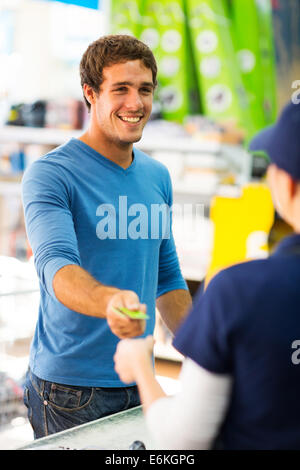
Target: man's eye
146,90
121,89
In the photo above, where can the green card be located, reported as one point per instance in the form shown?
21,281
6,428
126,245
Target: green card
133,314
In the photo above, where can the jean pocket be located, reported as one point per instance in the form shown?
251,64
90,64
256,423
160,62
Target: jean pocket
64,397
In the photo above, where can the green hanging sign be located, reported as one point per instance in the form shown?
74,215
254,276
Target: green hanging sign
164,29
223,95
126,17
254,48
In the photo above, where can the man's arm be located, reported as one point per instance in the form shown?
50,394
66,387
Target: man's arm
173,307
51,233
79,291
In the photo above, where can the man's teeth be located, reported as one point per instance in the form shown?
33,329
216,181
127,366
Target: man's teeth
130,119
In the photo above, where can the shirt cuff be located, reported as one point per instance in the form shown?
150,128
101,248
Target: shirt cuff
51,269
176,285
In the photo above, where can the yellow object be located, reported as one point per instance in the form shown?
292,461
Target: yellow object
241,227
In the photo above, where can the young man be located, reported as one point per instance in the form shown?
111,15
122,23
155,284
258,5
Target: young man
88,209
241,378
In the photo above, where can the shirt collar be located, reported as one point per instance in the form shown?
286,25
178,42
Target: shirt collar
287,243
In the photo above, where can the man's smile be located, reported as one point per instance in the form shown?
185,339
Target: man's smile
132,119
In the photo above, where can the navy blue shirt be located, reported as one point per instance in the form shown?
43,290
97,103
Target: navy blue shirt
246,324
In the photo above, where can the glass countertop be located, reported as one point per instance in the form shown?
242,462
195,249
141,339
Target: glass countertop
114,432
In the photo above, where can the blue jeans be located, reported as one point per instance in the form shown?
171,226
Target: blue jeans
54,407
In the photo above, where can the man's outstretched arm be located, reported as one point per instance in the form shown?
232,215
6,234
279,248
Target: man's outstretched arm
75,288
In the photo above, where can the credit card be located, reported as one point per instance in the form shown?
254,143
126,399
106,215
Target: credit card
133,314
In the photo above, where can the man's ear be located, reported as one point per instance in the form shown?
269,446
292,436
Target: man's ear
89,93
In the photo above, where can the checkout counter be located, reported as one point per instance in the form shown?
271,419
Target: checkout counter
122,431
114,432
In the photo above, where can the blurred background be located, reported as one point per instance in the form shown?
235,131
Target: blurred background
225,70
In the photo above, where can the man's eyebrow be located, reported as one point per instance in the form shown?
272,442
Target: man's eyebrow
149,84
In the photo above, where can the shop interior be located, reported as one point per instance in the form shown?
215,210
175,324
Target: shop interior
220,80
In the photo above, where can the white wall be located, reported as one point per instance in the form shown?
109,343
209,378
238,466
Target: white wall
43,33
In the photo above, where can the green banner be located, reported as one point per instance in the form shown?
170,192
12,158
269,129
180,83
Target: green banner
126,17
222,91
165,31
254,48
215,57
268,60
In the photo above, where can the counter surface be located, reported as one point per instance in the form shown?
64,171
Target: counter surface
114,432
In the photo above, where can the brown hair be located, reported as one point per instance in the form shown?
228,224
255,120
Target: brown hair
110,50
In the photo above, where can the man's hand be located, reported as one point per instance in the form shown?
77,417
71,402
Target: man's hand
121,325
132,357
78,290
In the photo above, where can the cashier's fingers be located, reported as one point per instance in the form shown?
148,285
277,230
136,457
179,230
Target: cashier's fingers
131,355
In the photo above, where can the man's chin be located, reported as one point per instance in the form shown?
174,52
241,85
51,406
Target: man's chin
130,140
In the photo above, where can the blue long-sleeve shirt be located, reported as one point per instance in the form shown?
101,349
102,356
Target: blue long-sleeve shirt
81,208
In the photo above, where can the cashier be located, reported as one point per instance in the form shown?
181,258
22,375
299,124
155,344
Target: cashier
240,380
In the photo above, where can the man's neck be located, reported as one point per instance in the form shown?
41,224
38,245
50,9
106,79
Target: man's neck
122,155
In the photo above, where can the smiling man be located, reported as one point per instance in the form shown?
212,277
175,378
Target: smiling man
120,111
91,254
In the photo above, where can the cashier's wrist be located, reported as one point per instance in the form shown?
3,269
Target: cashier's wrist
143,367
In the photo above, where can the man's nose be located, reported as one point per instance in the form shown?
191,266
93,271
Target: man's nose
134,100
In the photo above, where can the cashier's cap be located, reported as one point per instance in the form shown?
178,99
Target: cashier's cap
280,142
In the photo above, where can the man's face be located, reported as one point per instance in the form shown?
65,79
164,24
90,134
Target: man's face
124,103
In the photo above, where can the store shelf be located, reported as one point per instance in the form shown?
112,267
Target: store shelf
47,136
35,135
51,136
192,152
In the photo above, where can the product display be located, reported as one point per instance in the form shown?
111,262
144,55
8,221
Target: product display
128,17
222,91
210,61
253,40
165,32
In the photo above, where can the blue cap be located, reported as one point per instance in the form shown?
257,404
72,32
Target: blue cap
281,142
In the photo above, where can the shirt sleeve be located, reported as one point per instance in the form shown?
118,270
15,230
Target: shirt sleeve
169,272
48,220
192,418
205,335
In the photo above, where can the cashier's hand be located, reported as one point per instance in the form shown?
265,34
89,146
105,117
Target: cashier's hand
121,325
133,357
